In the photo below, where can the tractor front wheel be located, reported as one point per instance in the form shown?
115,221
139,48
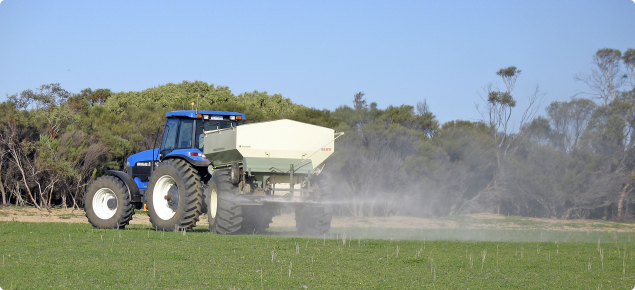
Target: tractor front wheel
174,196
107,203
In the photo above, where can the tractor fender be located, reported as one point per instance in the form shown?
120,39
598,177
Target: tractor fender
193,161
135,195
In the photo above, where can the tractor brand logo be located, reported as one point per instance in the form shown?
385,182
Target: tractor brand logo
327,149
144,164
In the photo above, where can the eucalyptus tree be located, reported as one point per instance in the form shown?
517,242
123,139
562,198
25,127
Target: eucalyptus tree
629,61
568,122
497,113
606,77
47,102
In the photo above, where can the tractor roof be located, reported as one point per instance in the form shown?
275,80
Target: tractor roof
193,114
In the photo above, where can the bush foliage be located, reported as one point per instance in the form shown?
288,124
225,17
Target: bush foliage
576,161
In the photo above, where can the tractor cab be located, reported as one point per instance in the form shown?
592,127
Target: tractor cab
185,131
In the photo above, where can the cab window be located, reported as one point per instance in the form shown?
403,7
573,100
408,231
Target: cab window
169,136
186,132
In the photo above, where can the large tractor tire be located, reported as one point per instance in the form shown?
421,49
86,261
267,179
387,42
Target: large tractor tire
313,220
224,212
174,196
107,203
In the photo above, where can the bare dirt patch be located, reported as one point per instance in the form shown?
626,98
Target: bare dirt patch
478,221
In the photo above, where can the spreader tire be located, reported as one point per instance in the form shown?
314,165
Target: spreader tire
174,196
313,220
107,203
256,218
223,209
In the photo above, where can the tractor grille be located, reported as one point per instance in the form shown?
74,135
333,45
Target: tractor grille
143,172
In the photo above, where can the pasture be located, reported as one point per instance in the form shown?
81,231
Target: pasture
77,256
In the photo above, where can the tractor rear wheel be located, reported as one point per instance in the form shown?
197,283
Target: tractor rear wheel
224,212
174,196
107,203
313,220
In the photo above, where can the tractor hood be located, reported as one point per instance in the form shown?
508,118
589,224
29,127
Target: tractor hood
143,156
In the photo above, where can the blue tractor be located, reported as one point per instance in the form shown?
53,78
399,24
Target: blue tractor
201,167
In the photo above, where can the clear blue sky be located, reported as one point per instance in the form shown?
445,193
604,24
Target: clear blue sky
317,53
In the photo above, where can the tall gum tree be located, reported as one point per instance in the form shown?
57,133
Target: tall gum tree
629,123
614,121
497,114
606,76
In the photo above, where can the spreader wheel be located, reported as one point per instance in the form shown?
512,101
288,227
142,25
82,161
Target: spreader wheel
313,220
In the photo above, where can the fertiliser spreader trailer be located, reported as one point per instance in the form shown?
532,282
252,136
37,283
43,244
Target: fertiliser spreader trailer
209,163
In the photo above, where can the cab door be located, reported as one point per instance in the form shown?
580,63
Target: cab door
168,143
178,134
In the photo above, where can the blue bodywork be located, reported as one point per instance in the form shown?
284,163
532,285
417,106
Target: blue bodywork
145,158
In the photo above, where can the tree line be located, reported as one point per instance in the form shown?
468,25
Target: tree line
574,161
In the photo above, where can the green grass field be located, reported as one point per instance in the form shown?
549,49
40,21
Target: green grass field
56,255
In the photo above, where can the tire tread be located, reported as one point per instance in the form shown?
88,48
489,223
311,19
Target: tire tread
192,196
119,188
